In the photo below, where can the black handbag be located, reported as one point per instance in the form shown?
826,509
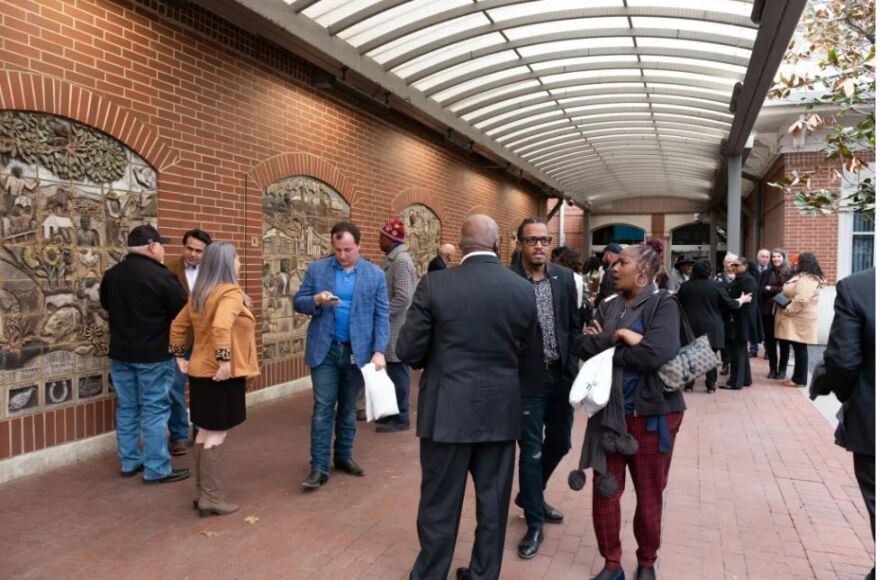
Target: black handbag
782,300
693,360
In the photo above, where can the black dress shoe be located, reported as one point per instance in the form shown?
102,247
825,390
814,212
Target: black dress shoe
771,375
710,387
552,515
729,387
175,475
132,473
611,574
350,467
645,573
315,480
528,546
462,574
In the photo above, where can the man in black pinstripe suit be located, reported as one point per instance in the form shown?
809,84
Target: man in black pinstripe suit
473,329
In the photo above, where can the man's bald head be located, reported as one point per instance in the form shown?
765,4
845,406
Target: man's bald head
479,233
447,252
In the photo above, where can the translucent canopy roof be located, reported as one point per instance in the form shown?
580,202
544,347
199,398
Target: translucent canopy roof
599,97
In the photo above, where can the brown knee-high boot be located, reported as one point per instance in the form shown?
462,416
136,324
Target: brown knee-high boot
212,500
197,448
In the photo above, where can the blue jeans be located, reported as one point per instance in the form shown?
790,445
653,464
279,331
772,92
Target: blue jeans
545,440
142,409
399,375
335,386
178,424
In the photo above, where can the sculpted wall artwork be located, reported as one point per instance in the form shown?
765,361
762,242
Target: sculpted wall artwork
69,195
298,213
422,235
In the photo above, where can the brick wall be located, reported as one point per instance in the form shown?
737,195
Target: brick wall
218,112
785,226
574,225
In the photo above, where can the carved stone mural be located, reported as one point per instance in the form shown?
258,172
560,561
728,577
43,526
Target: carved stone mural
69,195
298,213
422,235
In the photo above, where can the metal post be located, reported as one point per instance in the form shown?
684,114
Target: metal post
734,204
588,236
561,225
758,218
713,239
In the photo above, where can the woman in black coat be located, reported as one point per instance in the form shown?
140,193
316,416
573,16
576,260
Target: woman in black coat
706,303
772,281
745,328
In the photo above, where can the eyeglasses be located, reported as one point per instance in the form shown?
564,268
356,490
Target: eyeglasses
533,240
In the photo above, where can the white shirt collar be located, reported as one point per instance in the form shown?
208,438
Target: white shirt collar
481,253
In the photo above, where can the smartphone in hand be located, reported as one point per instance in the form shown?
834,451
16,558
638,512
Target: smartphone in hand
333,300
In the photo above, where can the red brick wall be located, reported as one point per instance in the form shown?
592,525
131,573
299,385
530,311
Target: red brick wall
574,225
218,111
785,226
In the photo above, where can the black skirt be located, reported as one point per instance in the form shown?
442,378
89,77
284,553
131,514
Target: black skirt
217,406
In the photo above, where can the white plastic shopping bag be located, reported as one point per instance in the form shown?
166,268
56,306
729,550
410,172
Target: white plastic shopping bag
592,386
381,397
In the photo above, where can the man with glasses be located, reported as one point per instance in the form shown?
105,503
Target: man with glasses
186,268
547,415
142,297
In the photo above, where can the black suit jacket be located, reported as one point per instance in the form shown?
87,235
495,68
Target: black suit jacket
706,305
746,321
849,361
436,264
470,328
568,327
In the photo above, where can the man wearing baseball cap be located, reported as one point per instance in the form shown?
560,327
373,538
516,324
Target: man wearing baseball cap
400,279
609,258
142,297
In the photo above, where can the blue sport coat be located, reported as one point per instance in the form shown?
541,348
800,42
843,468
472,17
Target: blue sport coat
369,327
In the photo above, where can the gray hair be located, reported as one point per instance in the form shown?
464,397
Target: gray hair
217,267
730,257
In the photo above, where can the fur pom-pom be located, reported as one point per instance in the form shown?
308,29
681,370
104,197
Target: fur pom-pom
608,441
627,445
607,485
577,480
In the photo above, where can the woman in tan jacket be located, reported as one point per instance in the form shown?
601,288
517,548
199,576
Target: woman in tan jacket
796,323
224,354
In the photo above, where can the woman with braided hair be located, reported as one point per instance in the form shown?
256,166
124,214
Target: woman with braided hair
638,426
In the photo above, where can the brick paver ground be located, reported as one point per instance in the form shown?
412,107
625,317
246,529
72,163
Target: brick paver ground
758,490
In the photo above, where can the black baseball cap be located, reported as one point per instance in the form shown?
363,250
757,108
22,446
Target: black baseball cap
614,248
145,234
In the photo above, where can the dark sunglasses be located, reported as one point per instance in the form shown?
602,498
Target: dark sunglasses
533,240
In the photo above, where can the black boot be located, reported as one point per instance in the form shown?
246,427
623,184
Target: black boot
645,573
528,546
611,574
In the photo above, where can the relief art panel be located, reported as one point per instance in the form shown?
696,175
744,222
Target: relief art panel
69,195
298,214
423,231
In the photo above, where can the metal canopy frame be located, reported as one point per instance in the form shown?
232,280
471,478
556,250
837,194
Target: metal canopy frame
631,95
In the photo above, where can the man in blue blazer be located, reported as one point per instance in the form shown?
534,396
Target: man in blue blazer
348,302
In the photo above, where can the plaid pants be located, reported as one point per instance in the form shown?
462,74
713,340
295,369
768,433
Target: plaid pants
649,470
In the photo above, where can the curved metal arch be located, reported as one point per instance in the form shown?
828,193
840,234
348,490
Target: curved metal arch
620,100
582,157
523,143
379,7
555,16
603,165
614,166
538,39
641,183
640,179
550,147
607,197
708,57
565,165
680,130
620,107
588,67
547,87
647,157
708,133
